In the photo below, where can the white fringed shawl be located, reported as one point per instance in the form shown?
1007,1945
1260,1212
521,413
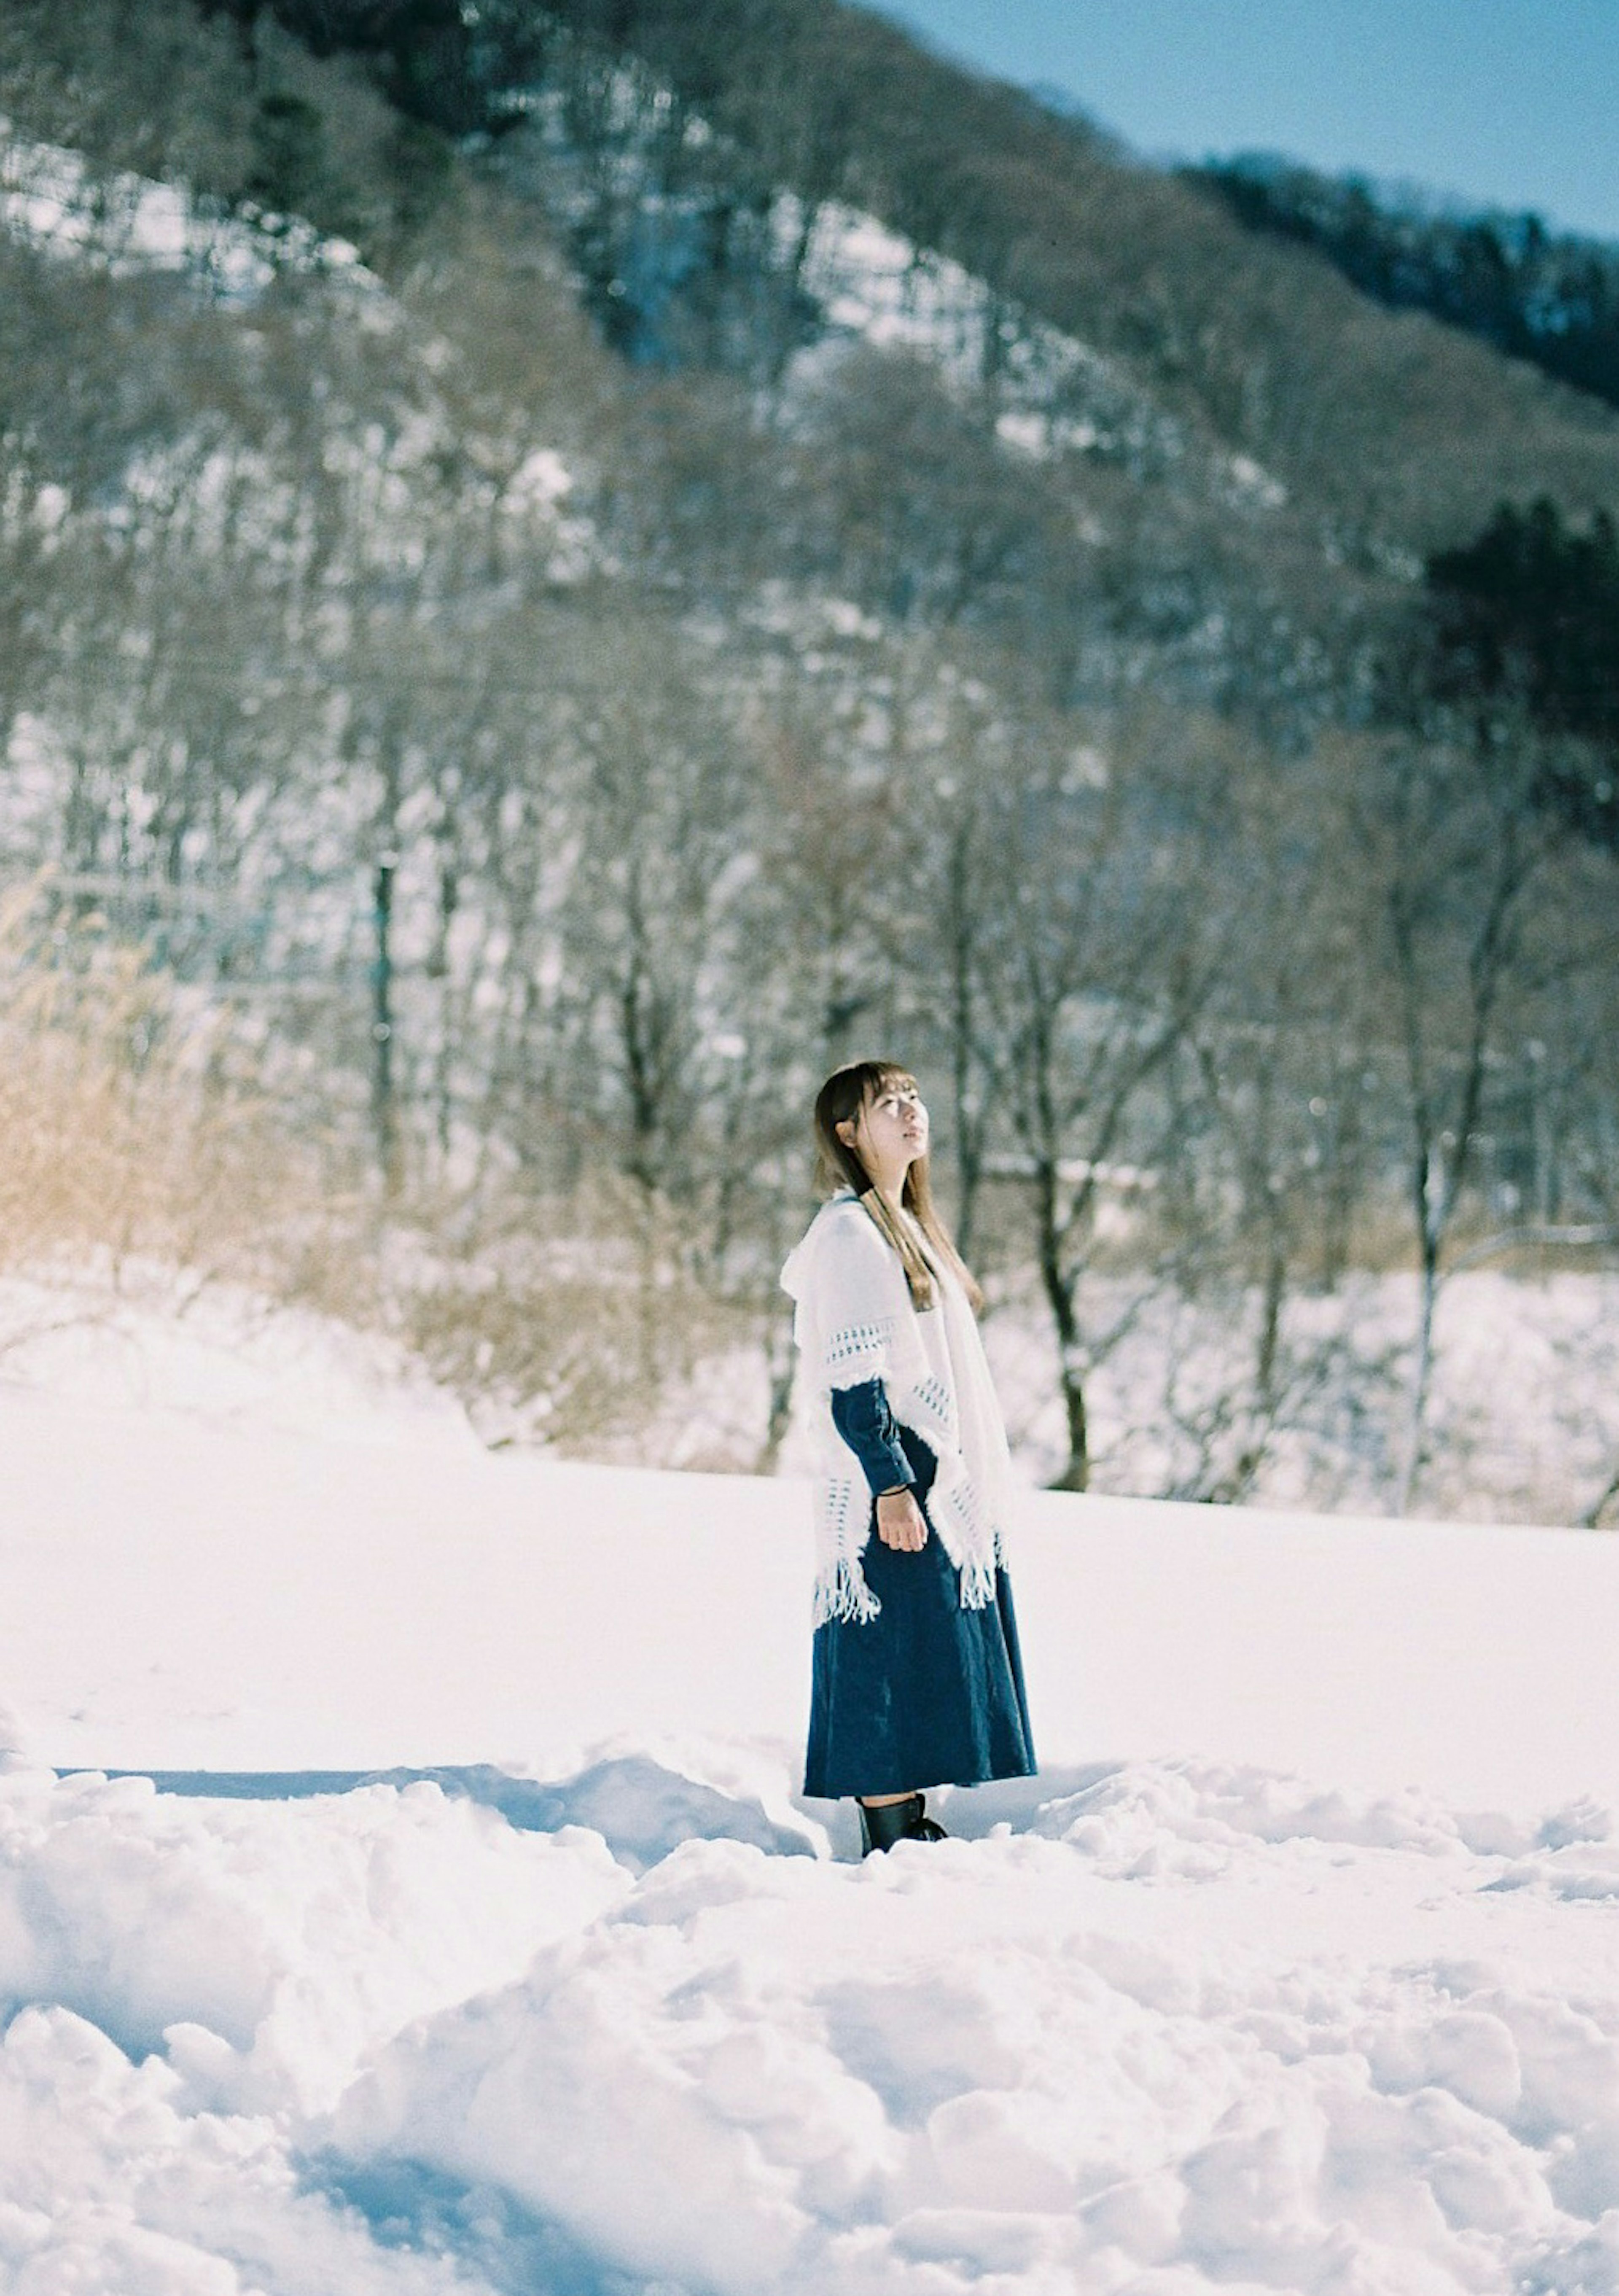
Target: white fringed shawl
855,1321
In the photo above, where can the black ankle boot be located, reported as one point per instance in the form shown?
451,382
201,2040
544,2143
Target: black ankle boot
896,1821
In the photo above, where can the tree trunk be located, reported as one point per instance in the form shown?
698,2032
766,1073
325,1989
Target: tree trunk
969,1124
783,1364
1073,1361
1423,1372
1076,1475
1269,1324
384,1113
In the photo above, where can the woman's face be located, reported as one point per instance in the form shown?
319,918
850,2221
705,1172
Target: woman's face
891,1130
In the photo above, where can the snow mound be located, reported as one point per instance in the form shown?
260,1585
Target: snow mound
188,1925
1168,2029
1197,1820
975,2062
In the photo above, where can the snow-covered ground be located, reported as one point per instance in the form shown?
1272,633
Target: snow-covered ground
465,1932
1522,1422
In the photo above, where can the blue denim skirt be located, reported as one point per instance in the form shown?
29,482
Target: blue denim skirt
926,1693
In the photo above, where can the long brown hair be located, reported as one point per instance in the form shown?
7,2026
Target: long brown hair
837,1165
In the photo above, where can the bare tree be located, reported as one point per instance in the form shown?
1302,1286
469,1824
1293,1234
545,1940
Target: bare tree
1450,842
1097,965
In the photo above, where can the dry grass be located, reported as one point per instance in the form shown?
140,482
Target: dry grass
134,1132
564,1319
117,1136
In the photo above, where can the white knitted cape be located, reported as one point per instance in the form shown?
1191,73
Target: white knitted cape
854,1321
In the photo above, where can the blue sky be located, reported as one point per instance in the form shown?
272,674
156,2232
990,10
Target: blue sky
1512,103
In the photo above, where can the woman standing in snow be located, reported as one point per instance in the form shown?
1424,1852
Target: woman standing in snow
917,1679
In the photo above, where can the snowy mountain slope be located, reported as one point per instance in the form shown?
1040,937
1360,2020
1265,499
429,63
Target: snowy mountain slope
1349,434
51,198
1053,393
847,278
595,2013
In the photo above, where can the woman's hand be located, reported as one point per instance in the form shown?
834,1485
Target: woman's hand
901,1522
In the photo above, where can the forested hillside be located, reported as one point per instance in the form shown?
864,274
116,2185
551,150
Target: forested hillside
1268,353
1548,296
562,569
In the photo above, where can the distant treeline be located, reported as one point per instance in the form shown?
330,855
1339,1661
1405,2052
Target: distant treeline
1527,614
1551,298
834,101
1238,338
